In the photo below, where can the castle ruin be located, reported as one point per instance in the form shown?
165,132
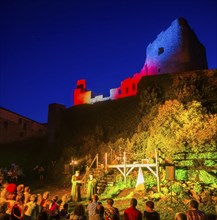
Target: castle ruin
177,49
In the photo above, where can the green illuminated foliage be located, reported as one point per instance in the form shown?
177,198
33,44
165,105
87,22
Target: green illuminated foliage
205,155
165,190
181,174
186,163
138,146
150,180
182,128
197,188
209,163
177,188
119,178
112,191
207,177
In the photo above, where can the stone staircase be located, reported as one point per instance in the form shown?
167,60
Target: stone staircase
104,179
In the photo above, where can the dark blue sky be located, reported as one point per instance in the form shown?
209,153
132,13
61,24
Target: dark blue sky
47,45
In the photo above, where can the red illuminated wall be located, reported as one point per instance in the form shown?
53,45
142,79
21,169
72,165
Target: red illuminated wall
128,87
81,95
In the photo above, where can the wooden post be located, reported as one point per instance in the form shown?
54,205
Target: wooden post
157,171
97,161
106,161
125,176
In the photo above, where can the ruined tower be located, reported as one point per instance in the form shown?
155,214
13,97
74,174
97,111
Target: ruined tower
176,49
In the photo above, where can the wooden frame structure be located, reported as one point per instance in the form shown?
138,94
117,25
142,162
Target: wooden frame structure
125,168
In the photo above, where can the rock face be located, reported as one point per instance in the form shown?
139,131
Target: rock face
176,49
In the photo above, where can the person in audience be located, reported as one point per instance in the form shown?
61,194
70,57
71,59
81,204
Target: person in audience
149,213
132,213
20,191
79,213
4,192
64,214
180,216
54,209
91,208
27,194
10,199
111,213
31,209
100,210
45,201
194,213
17,209
3,209
64,201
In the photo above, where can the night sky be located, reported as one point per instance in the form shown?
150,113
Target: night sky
47,45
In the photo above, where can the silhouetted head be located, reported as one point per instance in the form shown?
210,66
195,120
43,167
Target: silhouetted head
133,202
46,195
3,207
180,216
55,198
33,198
95,197
150,204
110,202
193,204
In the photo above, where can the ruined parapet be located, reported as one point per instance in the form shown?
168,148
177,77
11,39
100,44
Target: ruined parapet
81,94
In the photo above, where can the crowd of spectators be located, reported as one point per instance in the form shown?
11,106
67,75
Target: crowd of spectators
21,204
11,174
18,203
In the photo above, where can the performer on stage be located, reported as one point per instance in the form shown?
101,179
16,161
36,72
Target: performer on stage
91,187
76,187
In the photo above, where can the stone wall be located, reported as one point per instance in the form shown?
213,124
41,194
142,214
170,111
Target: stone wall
15,127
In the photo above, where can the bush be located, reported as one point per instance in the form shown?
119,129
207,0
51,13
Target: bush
112,191
177,188
181,175
119,178
131,181
209,163
206,178
150,180
197,188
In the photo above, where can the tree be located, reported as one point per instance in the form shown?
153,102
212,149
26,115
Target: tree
179,128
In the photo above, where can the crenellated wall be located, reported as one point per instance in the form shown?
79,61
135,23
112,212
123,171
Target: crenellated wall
81,94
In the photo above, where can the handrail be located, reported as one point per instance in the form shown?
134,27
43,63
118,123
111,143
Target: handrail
88,169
